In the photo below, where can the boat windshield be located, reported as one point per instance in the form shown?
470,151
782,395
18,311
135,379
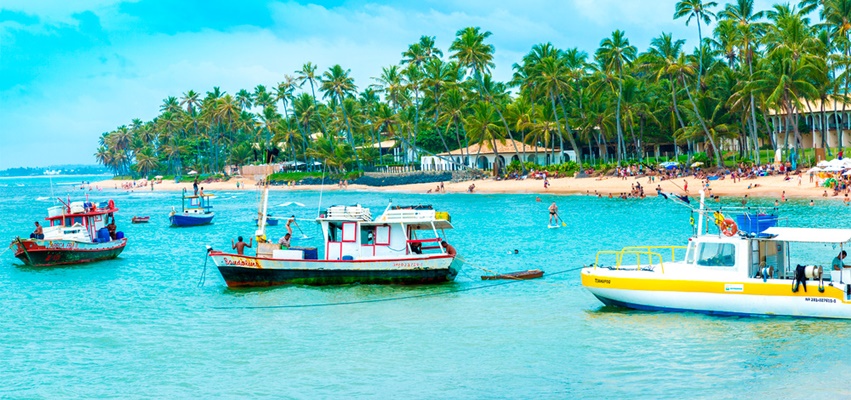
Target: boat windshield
716,254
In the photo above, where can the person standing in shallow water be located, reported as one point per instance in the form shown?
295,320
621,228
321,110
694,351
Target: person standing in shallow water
240,245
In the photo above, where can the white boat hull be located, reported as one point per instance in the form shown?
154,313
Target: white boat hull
743,297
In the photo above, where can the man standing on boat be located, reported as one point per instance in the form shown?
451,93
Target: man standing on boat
240,245
553,213
837,262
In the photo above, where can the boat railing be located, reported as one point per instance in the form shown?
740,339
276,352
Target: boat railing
658,248
422,243
407,215
619,255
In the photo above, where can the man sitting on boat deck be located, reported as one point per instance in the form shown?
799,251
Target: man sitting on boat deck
837,261
449,249
38,233
285,241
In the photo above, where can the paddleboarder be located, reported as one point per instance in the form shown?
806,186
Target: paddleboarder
553,214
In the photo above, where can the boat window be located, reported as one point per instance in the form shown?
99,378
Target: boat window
332,232
382,235
716,254
367,235
349,231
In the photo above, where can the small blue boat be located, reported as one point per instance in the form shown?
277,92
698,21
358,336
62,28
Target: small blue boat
196,212
270,221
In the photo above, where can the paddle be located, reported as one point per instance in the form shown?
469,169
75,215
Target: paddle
303,236
562,221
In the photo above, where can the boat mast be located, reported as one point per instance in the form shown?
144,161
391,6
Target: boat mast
263,207
700,213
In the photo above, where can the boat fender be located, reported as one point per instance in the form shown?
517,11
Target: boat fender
111,204
800,278
729,227
765,272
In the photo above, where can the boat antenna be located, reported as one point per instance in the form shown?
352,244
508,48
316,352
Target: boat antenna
321,188
51,188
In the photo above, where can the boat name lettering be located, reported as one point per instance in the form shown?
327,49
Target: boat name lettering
819,300
606,281
61,245
241,262
408,264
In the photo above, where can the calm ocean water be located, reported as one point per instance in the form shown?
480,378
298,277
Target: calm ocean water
140,326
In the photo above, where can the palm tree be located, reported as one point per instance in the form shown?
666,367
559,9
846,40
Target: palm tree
336,83
682,70
473,53
307,73
750,30
698,10
484,128
615,53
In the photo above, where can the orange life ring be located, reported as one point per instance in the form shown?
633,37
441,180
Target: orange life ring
729,227
111,204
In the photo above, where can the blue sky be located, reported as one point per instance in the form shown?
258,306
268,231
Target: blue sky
73,69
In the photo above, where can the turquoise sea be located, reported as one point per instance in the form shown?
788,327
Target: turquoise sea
141,326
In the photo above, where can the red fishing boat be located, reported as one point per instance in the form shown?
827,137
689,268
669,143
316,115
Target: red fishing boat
78,232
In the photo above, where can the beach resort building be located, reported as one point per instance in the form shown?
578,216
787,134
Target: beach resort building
483,156
821,124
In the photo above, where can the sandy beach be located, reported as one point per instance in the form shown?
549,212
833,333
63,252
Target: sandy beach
763,187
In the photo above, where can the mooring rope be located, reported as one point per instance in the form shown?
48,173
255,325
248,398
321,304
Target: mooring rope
388,299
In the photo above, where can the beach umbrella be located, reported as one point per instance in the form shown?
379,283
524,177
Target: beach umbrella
193,172
696,164
158,177
823,163
815,169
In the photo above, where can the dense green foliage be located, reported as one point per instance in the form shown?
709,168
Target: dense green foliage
614,105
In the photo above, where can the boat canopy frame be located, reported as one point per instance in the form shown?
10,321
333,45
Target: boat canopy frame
807,235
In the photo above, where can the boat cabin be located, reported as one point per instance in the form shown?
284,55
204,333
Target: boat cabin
196,204
351,233
769,254
80,221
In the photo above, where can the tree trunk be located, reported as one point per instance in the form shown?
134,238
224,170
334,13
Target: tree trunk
703,125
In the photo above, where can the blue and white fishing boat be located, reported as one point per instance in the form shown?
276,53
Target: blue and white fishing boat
195,210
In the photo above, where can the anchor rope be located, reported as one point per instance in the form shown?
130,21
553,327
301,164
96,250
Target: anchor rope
388,299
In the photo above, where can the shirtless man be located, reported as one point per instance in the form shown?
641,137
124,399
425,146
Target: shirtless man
553,212
38,233
240,245
449,249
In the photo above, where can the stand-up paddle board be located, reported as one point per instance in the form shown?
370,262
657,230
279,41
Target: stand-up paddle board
553,226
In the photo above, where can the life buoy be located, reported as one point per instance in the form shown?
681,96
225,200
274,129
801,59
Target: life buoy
729,227
111,204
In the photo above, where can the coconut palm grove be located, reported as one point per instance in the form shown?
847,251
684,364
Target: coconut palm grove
611,105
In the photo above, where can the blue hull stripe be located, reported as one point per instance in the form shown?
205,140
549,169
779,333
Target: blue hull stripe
642,307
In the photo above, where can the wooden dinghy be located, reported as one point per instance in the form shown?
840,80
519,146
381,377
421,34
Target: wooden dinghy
519,275
140,220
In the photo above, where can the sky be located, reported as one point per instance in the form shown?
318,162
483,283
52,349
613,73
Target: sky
72,70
